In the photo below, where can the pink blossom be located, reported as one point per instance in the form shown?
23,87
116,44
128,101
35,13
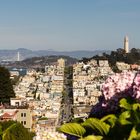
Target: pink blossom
120,83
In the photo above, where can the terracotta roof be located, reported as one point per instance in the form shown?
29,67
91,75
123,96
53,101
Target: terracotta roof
6,115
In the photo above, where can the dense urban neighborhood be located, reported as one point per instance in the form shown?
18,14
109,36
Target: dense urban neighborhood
69,70
46,100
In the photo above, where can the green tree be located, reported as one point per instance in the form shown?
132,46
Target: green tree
6,88
14,131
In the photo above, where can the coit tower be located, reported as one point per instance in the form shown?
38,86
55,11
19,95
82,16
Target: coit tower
126,44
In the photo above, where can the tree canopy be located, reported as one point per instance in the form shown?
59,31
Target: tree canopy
11,130
6,88
133,57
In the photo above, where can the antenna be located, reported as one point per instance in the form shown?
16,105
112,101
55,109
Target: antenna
18,56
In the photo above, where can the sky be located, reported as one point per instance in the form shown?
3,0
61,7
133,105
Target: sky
68,25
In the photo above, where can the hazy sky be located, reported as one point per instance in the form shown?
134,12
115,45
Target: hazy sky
69,24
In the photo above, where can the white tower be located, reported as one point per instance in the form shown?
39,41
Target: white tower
126,44
18,56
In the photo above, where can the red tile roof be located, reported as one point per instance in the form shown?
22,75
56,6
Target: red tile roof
6,115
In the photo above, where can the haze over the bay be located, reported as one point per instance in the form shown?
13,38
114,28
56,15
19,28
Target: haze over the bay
66,25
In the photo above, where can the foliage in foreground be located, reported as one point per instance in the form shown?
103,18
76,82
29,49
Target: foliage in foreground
123,126
10,130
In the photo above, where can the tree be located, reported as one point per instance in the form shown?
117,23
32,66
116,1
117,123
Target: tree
11,130
120,51
6,88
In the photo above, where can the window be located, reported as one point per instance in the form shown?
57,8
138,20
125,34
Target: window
21,122
17,103
24,122
21,114
24,114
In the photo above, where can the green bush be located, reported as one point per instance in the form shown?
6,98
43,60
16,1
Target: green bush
11,130
123,126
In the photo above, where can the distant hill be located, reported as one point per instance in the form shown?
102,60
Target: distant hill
26,53
41,62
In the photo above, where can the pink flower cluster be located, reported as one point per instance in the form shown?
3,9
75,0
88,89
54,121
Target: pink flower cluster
120,83
136,87
116,87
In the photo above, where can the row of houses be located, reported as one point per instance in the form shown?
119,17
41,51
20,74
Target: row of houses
87,79
38,100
